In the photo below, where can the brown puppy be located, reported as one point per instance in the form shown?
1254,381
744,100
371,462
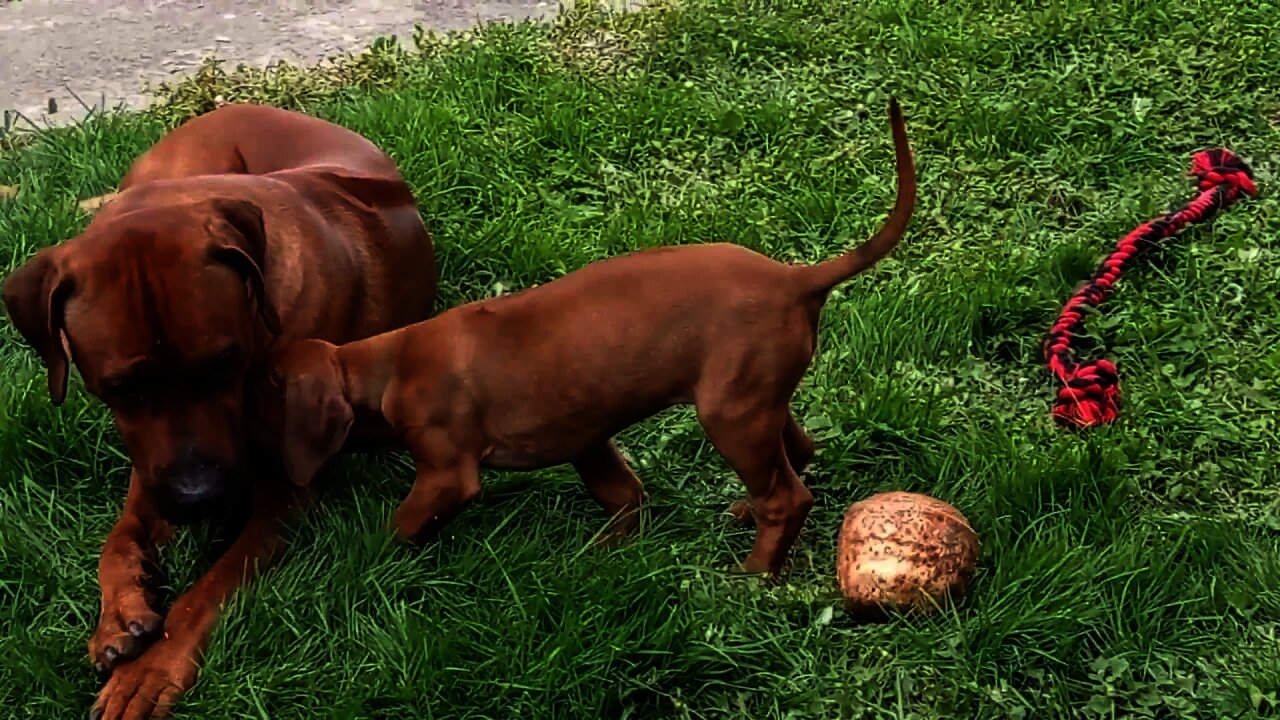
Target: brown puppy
243,228
549,375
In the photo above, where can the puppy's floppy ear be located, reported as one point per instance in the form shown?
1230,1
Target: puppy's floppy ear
35,296
241,244
317,421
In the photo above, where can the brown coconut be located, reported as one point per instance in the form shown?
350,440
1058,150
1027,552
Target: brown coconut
904,551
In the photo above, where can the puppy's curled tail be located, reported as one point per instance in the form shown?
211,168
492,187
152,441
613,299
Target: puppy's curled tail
826,275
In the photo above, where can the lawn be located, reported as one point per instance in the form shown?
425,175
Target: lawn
1132,571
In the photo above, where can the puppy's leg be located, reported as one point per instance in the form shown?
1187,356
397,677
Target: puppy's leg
613,484
128,624
800,449
438,495
751,442
446,481
798,443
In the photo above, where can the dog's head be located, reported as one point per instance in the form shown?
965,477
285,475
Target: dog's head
305,401
162,311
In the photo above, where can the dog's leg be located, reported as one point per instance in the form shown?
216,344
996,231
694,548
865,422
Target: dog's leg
128,623
799,445
446,481
613,484
438,495
800,449
148,686
751,442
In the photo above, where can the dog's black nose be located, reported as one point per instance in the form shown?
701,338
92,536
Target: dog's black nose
193,490
198,486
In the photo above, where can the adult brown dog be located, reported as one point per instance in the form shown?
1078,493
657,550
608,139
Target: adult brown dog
245,227
550,375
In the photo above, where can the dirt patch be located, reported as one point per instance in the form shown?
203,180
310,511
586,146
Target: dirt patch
106,51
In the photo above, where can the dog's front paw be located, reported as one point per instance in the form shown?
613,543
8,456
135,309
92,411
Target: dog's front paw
148,687
411,528
128,627
767,571
741,513
752,566
619,530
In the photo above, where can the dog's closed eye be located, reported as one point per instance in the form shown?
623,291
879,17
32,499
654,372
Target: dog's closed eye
219,366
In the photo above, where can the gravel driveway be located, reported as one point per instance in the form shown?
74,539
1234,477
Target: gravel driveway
106,50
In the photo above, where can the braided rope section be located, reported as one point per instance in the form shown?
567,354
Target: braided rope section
1090,393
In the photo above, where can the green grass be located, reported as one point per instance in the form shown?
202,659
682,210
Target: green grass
1130,572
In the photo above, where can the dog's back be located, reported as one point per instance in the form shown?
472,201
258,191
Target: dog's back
256,140
615,342
319,184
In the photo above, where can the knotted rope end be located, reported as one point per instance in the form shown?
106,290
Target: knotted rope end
1219,166
1090,395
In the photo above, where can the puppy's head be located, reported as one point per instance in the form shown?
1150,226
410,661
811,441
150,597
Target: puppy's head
162,310
307,406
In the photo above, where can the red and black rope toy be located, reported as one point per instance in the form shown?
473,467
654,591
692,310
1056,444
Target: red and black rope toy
1091,393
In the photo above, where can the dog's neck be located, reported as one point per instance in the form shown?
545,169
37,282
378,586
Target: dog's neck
366,374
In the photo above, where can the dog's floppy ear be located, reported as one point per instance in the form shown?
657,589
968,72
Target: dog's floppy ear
317,420
35,296
242,246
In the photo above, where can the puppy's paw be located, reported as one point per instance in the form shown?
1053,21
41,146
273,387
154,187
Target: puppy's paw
741,513
619,530
128,627
760,568
413,527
